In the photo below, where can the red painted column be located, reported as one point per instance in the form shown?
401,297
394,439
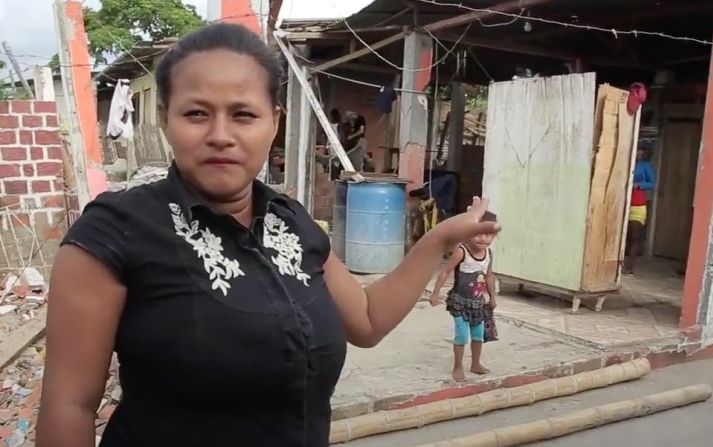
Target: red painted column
241,12
81,100
702,215
83,84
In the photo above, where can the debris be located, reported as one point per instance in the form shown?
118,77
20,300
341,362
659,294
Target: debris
6,415
10,282
6,308
16,439
145,175
106,413
116,394
23,426
32,278
20,391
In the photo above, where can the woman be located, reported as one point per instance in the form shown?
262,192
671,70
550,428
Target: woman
227,309
356,139
644,181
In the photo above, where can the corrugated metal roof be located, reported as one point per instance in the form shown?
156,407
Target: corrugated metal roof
135,62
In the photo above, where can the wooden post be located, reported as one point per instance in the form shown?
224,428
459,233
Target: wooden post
76,142
304,149
292,130
16,67
413,135
43,83
457,122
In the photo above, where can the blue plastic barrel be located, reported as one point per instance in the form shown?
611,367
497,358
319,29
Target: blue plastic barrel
339,219
376,226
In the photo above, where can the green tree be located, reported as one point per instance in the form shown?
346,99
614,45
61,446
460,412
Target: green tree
119,24
54,64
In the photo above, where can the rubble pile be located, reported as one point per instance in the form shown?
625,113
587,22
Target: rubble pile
21,392
146,174
22,294
20,396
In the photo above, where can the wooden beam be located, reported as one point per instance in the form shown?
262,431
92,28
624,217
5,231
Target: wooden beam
314,102
362,67
341,34
362,52
472,16
538,51
22,337
292,132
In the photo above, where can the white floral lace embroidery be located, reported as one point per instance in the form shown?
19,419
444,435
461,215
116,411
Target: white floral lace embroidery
276,236
209,248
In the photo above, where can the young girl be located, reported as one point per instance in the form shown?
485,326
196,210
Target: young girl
466,301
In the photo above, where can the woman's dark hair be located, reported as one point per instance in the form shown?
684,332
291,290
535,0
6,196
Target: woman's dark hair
219,36
334,116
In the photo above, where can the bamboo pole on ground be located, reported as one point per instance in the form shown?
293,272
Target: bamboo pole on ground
394,420
556,427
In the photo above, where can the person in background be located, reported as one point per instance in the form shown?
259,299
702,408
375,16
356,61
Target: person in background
228,310
468,301
341,129
644,181
356,139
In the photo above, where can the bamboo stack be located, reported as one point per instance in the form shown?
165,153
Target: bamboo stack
414,417
556,427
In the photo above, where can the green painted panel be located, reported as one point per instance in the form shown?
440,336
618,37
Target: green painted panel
538,159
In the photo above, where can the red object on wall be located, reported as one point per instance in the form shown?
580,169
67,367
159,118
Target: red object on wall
637,96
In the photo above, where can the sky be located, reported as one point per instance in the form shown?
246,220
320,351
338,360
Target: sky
28,25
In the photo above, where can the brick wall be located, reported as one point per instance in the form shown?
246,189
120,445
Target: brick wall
323,195
32,200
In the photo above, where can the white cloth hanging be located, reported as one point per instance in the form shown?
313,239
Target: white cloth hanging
120,124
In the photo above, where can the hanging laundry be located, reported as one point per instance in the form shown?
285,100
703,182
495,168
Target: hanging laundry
637,96
120,123
386,99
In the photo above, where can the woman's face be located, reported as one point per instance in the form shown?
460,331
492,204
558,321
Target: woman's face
220,121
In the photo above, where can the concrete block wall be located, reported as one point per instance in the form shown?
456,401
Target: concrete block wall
32,200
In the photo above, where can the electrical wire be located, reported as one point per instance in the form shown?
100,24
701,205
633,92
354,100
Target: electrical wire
614,31
404,69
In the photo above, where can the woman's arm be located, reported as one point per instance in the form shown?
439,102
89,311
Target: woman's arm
455,259
368,314
85,304
357,134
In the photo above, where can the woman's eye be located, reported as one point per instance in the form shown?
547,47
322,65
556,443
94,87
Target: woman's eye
195,113
244,115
